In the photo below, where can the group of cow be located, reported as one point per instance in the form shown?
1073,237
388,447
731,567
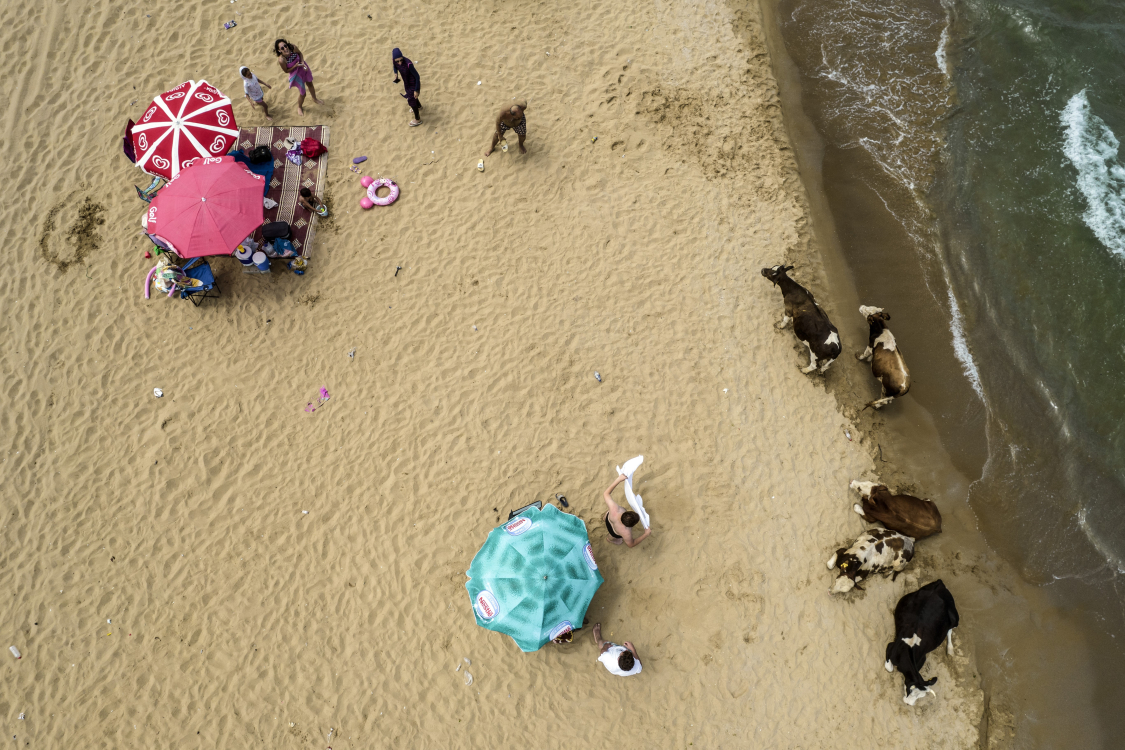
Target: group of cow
923,618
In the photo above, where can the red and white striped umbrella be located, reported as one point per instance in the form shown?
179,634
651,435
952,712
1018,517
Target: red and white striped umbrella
193,120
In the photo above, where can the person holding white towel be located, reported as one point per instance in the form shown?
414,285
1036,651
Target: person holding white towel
620,522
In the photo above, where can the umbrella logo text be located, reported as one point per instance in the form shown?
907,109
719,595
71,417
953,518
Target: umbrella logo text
562,627
486,605
588,554
518,526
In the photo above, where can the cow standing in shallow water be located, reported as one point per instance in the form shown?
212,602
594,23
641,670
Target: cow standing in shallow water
810,324
876,551
923,619
914,516
887,364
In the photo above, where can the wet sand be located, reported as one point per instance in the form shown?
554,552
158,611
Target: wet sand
1040,680
167,588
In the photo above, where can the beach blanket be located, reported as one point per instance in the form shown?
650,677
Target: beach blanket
288,179
634,499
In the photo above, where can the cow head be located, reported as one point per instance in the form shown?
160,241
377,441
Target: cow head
777,273
849,569
900,656
873,313
865,488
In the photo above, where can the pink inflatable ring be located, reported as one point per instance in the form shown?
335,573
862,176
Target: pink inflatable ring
389,198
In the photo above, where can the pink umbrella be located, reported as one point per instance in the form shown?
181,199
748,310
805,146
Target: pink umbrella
192,120
208,208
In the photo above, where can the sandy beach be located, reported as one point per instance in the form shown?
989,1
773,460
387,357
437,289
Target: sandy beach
165,585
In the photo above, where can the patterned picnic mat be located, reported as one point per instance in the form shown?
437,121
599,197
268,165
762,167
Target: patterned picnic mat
289,178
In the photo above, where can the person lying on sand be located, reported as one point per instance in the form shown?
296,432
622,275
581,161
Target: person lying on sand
510,118
623,661
253,88
620,522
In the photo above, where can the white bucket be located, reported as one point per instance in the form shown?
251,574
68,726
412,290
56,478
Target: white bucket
261,261
245,256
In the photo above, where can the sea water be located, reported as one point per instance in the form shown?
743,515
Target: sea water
993,133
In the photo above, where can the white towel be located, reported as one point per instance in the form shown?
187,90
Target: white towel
634,499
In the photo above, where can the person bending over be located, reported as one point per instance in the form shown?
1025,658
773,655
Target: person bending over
620,522
623,661
510,118
310,203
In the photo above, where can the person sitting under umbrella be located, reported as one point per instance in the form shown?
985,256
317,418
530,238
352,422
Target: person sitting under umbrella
623,661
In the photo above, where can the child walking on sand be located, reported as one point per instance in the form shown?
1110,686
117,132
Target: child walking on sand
253,88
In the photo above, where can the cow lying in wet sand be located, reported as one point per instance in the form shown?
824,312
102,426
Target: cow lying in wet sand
810,324
923,619
887,364
914,516
876,551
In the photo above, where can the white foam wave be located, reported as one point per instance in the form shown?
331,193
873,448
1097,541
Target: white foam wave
943,43
1092,148
1100,545
961,345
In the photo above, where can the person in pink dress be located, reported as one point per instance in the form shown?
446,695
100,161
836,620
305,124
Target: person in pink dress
290,60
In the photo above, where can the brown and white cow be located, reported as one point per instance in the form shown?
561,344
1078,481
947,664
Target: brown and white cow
914,516
875,551
810,324
887,364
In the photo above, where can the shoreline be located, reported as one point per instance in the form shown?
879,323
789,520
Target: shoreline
240,620
1018,707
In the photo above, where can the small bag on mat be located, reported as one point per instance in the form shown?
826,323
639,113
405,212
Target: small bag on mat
260,155
284,248
275,230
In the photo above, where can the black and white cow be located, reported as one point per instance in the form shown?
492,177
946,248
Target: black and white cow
887,364
914,516
876,551
923,619
810,324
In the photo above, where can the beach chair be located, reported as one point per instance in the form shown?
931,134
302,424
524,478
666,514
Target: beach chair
200,270
150,192
537,504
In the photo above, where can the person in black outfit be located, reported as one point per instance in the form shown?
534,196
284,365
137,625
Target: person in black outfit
410,81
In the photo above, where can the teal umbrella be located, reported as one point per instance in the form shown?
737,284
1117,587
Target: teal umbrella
534,577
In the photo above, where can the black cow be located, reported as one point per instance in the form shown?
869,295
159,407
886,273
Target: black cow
810,324
923,619
887,364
